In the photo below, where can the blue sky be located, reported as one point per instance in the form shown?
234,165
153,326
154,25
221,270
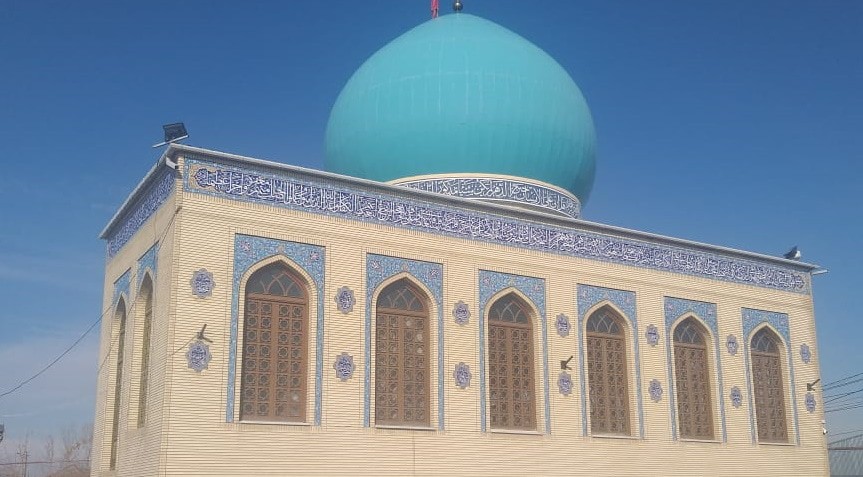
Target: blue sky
732,123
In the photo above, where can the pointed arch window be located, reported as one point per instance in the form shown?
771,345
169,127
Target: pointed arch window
120,319
769,389
607,373
510,366
402,369
146,295
275,336
692,380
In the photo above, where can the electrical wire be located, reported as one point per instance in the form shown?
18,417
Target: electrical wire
29,462
855,431
58,358
846,408
842,382
829,399
89,329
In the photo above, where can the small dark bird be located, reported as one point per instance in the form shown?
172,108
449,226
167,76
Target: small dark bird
201,336
793,254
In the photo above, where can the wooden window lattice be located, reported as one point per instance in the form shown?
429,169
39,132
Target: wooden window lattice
147,293
692,380
402,345
769,389
511,367
274,347
120,317
607,374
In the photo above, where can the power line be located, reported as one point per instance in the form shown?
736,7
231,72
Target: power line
93,325
839,382
844,404
46,462
842,385
846,408
58,358
855,431
829,399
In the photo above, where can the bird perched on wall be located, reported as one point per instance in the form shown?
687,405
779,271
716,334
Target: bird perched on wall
793,254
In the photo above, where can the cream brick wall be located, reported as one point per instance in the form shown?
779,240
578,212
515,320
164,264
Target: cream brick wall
138,450
187,433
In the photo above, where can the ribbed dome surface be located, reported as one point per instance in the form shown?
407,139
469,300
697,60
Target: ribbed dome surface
460,94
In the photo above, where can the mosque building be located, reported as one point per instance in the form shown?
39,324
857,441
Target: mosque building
433,304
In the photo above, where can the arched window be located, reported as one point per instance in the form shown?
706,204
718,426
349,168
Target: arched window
120,319
692,380
510,365
607,374
769,391
146,295
402,345
274,346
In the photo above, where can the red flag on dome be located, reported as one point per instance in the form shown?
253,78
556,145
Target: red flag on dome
435,6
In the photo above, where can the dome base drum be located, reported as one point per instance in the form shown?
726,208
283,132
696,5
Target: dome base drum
508,190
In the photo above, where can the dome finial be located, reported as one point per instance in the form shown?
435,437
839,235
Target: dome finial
457,6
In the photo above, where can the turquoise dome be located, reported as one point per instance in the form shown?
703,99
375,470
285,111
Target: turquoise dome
460,94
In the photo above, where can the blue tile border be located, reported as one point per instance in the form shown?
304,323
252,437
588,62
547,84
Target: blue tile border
752,321
491,284
250,250
500,189
157,193
147,263
677,309
380,268
255,184
121,287
588,297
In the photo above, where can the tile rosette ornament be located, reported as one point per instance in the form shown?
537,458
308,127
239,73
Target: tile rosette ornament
732,345
462,375
805,353
655,390
563,325
736,396
344,366
198,356
652,335
564,383
461,313
810,402
202,283
345,300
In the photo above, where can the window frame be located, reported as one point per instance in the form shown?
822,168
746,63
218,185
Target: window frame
781,357
711,373
428,313
119,364
537,375
627,334
145,314
311,357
